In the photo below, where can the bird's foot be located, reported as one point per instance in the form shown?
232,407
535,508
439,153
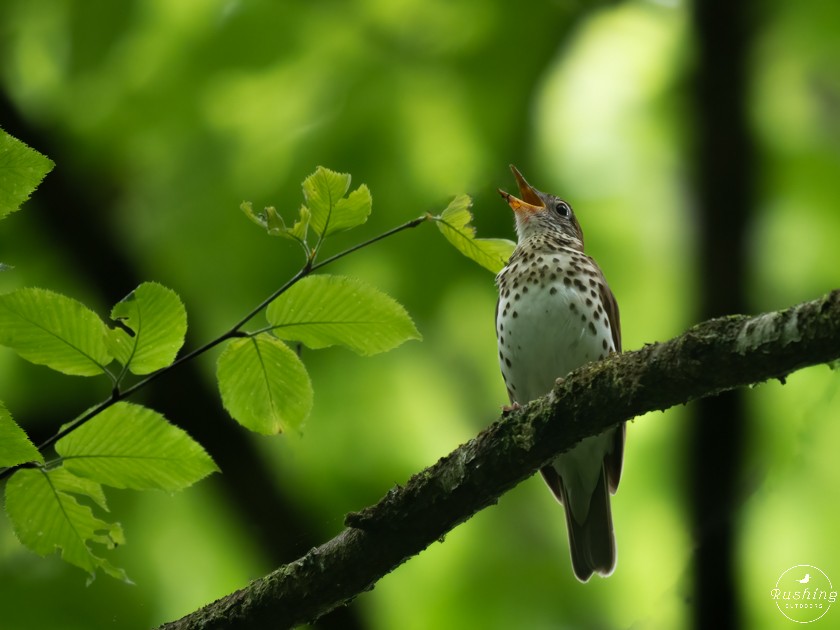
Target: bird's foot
506,409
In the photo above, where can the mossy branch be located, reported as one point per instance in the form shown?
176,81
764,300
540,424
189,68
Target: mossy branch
712,357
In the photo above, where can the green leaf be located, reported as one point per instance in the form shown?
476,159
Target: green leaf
131,446
158,320
322,311
454,223
54,330
21,170
274,224
15,447
264,385
330,210
326,210
47,517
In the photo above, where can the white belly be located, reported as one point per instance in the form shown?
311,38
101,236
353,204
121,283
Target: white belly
545,335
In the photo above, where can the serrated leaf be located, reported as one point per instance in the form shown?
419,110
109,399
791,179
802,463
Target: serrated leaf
301,226
158,319
455,224
15,447
323,310
65,480
54,330
131,446
330,210
21,170
46,517
264,385
257,217
268,218
274,224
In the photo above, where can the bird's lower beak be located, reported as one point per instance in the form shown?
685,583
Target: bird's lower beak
530,202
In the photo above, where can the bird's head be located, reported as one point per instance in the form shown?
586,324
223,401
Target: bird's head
538,212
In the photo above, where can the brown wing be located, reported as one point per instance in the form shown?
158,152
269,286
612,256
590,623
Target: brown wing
614,459
611,307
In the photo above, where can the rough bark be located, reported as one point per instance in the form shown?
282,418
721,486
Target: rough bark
710,358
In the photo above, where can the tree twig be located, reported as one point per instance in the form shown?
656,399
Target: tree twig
118,394
712,357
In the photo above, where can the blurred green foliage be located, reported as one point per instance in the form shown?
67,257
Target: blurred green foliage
167,115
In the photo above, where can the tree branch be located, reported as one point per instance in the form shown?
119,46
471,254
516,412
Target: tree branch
712,357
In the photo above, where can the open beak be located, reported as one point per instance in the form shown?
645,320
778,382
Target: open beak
530,201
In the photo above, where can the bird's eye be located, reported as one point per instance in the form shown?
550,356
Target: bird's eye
562,208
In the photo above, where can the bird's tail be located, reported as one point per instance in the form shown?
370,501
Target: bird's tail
592,542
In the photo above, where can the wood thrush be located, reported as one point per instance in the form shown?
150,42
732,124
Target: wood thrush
555,313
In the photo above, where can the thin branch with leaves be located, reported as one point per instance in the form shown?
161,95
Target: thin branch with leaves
263,383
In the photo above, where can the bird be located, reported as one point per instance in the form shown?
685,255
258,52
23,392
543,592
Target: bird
806,579
555,313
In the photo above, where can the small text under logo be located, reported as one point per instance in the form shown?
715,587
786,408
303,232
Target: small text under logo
803,593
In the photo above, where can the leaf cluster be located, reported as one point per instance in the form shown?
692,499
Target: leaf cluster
60,504
120,444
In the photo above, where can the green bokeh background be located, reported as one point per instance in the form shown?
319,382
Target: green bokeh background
167,114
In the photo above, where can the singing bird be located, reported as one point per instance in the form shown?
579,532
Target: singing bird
555,313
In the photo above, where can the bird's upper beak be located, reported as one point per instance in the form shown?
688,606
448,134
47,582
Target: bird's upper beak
530,201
